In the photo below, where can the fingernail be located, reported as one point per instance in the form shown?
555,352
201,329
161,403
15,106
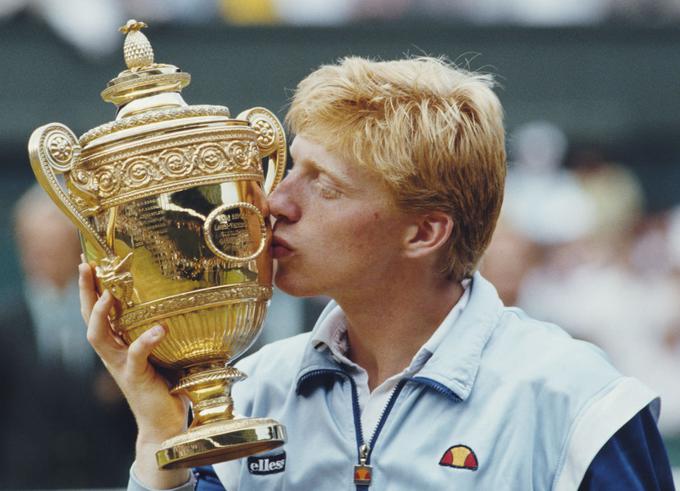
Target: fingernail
82,258
82,267
106,295
157,331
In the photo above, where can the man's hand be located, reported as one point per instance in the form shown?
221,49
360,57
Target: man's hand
159,414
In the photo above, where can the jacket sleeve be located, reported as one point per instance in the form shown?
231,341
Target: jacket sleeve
206,479
633,459
135,485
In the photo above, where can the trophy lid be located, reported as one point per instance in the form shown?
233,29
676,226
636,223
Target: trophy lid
146,93
143,76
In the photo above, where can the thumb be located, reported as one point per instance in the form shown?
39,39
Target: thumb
141,348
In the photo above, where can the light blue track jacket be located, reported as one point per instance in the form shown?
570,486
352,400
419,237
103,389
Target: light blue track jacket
504,403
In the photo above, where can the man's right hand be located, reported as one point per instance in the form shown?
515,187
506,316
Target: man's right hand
159,414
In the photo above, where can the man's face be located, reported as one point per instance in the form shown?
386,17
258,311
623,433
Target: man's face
337,231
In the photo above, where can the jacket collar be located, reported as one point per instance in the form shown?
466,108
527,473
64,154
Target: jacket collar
452,368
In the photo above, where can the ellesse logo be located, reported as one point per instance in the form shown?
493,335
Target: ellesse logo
267,464
460,457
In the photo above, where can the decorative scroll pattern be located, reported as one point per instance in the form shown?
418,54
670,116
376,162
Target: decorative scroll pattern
153,117
177,165
267,127
60,148
272,142
187,302
266,134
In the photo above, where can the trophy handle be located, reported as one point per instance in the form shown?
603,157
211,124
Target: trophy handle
54,149
271,140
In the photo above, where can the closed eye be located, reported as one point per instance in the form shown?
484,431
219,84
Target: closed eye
326,192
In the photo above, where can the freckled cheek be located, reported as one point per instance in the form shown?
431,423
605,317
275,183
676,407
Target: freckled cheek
342,240
363,238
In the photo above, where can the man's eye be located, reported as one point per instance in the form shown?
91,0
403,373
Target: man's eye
330,193
327,192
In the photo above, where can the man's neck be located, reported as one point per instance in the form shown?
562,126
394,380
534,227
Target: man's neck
387,327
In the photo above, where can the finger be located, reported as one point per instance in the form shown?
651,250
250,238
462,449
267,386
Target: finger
119,340
88,294
141,348
99,332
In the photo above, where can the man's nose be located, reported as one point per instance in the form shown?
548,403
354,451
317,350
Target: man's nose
282,202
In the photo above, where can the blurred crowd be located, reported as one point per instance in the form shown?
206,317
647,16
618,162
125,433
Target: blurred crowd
97,20
575,246
66,424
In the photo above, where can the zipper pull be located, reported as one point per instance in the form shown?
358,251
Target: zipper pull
363,472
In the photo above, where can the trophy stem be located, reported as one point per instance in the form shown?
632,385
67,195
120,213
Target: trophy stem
215,435
209,390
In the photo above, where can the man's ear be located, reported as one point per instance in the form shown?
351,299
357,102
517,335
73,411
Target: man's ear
428,234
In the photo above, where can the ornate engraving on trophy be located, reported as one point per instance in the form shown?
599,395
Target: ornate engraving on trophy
159,309
152,233
266,135
157,116
114,273
229,231
235,232
117,175
60,148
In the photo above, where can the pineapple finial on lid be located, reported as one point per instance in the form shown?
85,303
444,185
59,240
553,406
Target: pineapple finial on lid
143,77
137,49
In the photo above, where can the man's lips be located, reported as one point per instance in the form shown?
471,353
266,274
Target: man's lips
280,248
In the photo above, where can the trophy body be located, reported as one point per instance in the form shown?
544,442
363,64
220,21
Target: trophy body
169,200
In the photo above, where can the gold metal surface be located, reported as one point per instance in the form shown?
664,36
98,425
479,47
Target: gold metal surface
156,116
169,201
222,441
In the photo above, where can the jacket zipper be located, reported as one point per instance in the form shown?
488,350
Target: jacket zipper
363,471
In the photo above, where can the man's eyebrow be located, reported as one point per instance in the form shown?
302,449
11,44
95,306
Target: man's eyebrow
337,178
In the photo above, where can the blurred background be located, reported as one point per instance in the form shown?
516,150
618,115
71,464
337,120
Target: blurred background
589,236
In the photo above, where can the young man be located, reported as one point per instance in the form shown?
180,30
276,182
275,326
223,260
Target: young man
415,376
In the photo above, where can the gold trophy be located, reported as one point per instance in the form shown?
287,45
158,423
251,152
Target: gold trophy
168,199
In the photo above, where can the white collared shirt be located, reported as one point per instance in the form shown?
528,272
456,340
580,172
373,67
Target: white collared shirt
332,334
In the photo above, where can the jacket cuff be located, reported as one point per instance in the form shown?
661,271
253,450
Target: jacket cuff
135,485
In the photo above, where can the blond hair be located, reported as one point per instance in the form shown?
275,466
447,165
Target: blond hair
432,131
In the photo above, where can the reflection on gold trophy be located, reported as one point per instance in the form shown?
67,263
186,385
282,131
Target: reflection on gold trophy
168,199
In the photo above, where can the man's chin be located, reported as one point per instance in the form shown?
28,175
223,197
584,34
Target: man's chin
287,284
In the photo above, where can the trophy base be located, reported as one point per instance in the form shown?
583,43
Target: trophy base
221,441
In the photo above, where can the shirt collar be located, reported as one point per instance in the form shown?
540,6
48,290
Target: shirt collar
450,358
331,334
